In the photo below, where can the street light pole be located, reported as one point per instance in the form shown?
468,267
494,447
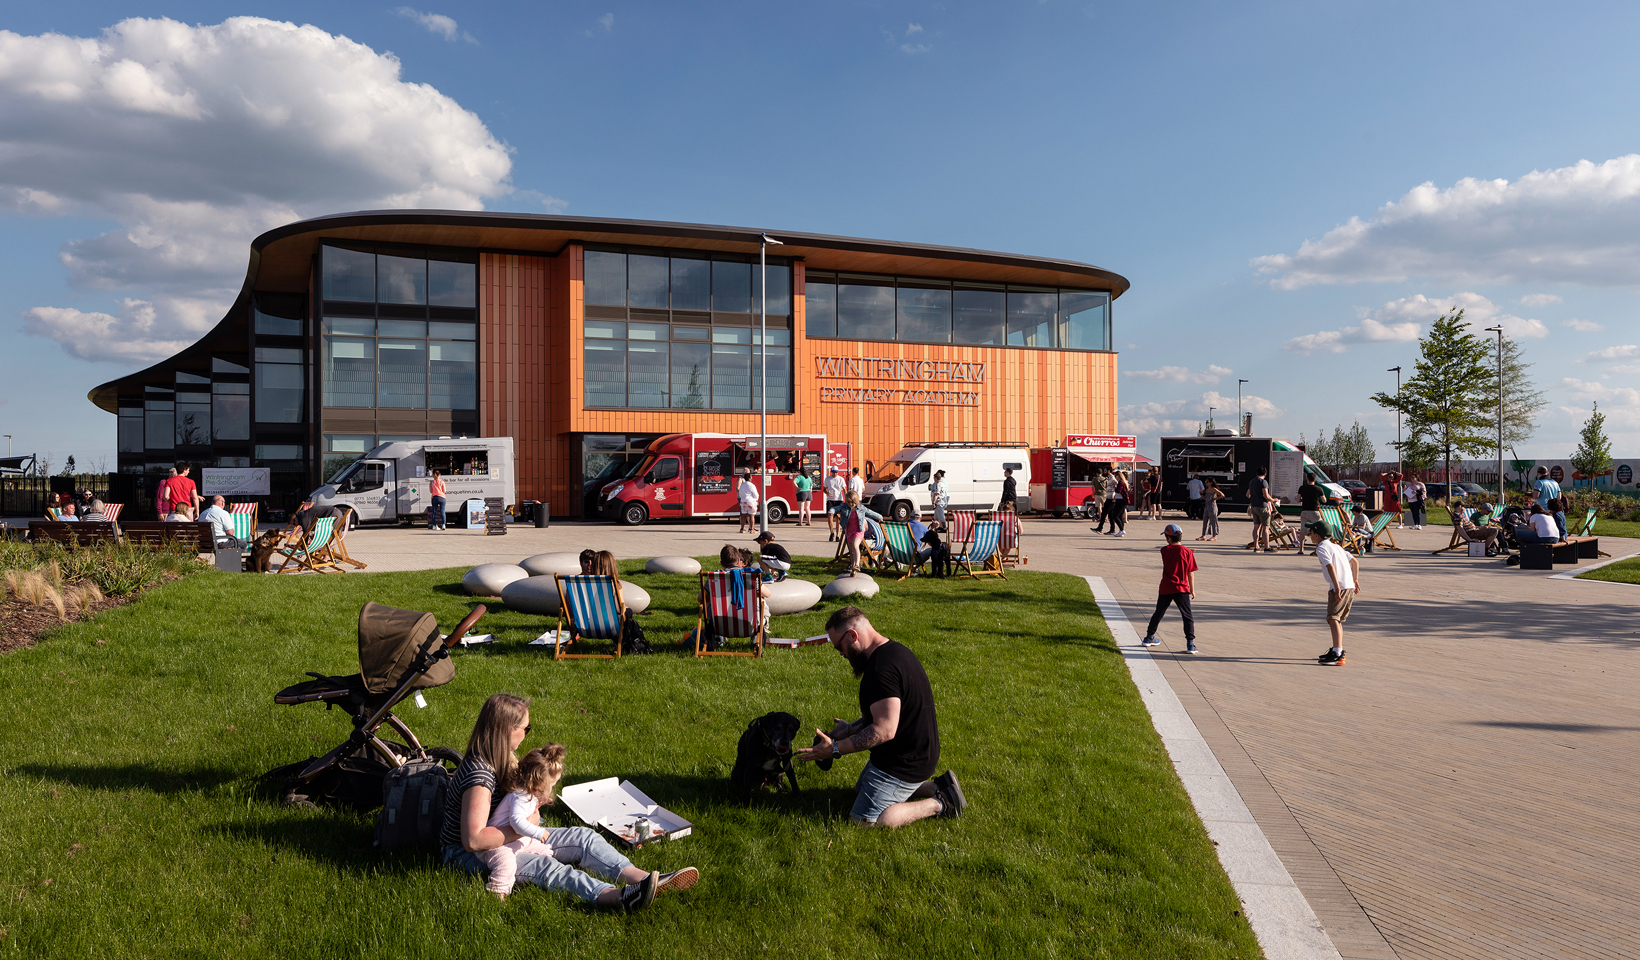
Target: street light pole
763,381
1240,417
1499,331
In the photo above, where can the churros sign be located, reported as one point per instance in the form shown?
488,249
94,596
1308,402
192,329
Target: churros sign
941,383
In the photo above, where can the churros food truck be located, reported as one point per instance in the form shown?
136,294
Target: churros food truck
1062,477
694,475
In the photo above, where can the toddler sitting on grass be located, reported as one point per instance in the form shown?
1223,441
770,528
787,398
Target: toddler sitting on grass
538,773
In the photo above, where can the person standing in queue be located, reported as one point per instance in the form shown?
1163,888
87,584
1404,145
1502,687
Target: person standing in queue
834,488
805,494
436,508
1010,491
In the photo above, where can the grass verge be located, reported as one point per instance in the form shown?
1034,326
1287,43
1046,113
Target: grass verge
131,822
1623,571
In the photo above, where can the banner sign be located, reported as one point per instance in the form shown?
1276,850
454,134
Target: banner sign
1114,444
234,481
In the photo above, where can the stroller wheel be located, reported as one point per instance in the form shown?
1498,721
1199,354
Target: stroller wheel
451,758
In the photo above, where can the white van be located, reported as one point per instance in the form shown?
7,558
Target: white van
390,482
973,475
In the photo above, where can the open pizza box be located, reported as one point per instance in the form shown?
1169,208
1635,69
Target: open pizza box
623,811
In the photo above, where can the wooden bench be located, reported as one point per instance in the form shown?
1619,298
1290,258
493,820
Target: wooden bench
1566,553
154,533
1537,556
1588,548
70,533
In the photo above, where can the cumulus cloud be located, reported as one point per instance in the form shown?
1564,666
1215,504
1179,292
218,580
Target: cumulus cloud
608,21
1163,417
1583,326
194,139
1621,405
1539,299
912,29
1578,224
1400,321
437,23
1181,374
1622,352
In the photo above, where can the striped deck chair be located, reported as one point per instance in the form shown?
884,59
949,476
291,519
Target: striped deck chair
1585,530
902,549
1339,529
873,547
1008,552
1497,514
1381,537
959,529
54,515
112,511
1458,541
982,552
309,554
719,614
244,527
592,604
336,550
245,509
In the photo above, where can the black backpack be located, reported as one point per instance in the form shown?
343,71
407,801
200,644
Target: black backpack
413,798
632,638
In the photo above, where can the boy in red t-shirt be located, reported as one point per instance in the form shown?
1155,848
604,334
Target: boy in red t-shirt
1178,586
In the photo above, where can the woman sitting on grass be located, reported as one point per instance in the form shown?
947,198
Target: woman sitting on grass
488,772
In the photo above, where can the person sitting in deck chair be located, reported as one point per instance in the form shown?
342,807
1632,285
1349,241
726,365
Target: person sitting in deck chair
732,557
1471,533
1362,527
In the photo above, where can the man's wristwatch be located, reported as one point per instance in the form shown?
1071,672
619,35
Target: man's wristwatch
836,749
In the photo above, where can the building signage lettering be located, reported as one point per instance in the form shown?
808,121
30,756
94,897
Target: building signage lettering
889,368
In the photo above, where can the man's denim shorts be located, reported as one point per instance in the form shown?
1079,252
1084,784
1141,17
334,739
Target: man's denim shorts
877,791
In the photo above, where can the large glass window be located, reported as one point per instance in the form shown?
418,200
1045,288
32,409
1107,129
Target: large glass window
401,374
691,374
130,428
691,284
279,315
193,416
780,289
452,375
1031,318
865,308
349,372
977,316
605,373
923,311
401,279
1082,320
820,307
342,449
731,287
648,372
452,284
349,275
279,389
779,362
646,282
231,411
732,368
159,418
604,278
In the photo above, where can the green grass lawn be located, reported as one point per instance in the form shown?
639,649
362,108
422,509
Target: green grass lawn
132,823
1623,571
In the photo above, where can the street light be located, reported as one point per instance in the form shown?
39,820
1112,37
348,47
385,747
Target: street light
8,446
1399,470
1499,331
1240,418
763,380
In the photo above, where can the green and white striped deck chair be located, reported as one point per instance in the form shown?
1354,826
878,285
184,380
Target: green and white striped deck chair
244,527
982,552
1339,529
1381,537
902,549
592,605
306,555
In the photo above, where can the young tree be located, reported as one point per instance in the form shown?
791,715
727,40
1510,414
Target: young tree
1445,400
1362,450
1593,456
1521,398
68,466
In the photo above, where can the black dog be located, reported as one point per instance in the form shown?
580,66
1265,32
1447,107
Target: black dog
765,751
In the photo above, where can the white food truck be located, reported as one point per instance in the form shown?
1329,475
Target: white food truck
973,475
390,483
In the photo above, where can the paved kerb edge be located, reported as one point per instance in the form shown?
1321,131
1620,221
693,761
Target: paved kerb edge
1281,918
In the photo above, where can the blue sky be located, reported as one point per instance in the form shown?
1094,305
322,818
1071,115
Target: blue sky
1256,171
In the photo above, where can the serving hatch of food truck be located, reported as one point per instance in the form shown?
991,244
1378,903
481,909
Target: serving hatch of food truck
693,475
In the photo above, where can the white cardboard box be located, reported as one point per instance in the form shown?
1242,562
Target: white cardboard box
622,810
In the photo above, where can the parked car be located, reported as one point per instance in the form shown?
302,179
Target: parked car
1357,489
1437,491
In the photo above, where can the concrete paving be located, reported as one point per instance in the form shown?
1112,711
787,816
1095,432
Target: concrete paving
1463,787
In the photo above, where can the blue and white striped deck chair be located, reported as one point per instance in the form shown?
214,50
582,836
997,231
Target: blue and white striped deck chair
982,552
592,604
307,555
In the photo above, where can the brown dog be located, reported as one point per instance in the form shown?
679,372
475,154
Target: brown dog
262,550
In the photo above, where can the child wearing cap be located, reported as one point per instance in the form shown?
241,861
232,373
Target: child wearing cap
1178,586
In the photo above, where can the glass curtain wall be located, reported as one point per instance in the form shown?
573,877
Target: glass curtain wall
681,331
915,310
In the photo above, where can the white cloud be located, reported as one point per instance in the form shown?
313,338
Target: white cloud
608,22
194,139
1539,299
1621,405
1401,321
913,28
1583,326
1622,352
437,23
1160,418
1578,224
913,49
1181,374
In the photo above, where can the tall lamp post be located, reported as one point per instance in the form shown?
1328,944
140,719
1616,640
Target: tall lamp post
1240,417
1399,470
763,380
1499,331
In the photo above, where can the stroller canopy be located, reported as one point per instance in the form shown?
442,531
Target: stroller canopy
391,641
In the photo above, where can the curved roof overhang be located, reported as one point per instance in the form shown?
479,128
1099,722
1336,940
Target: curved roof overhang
280,258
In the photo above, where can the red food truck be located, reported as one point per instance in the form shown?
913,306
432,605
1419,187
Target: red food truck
1062,477
694,475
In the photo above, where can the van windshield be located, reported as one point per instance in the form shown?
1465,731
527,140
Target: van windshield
890,471
340,476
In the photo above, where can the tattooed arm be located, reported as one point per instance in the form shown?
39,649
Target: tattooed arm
880,728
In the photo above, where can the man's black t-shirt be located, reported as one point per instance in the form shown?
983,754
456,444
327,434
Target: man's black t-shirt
894,671
1255,491
1310,496
1009,488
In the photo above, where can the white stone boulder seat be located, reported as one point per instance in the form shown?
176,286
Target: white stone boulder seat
547,564
684,565
489,579
858,585
791,595
540,595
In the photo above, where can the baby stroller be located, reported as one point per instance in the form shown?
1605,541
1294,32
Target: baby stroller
400,653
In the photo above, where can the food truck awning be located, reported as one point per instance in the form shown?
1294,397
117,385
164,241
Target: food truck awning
1203,450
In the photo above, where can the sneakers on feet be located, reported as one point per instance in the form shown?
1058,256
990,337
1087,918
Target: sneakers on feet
1190,649
677,881
949,793
1330,659
1151,642
636,896
1122,533
1327,656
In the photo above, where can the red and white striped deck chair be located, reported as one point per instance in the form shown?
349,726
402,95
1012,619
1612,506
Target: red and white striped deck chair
959,529
112,511
1009,554
250,508
720,615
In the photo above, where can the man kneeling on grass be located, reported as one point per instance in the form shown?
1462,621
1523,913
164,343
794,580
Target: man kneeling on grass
896,724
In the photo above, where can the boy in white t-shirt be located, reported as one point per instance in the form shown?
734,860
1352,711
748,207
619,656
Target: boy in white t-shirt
1343,576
